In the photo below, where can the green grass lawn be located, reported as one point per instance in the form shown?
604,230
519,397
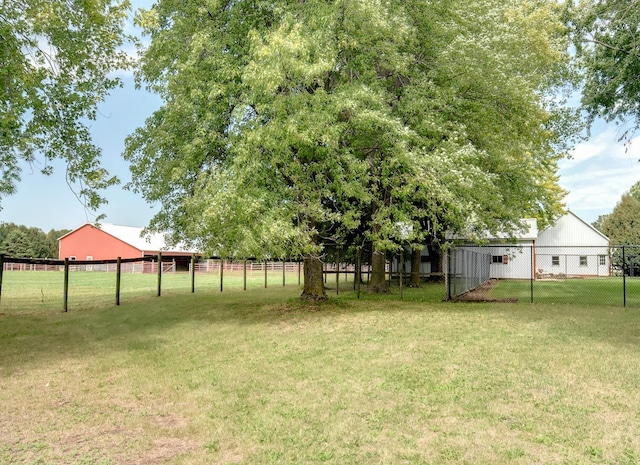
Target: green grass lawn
255,377
595,291
43,291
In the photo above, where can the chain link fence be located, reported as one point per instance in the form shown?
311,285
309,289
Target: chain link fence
571,274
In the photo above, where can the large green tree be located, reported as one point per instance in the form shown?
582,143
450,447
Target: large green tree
608,45
612,226
23,241
58,58
622,225
287,125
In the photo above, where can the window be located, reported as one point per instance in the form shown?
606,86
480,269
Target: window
504,259
603,259
583,260
72,258
555,260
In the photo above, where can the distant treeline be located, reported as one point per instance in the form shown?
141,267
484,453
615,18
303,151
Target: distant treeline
24,242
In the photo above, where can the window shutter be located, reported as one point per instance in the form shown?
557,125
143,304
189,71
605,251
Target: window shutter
505,259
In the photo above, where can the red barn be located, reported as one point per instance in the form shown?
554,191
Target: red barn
109,241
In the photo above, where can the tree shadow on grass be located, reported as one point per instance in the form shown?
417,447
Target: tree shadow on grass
34,340
37,339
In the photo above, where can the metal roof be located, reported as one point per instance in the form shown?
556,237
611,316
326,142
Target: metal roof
133,236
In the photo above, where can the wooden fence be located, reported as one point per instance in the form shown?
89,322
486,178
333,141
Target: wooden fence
149,265
339,272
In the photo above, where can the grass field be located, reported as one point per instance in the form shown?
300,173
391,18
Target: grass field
255,377
43,291
596,291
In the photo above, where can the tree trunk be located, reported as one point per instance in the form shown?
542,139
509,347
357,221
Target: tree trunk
435,257
313,280
378,282
415,268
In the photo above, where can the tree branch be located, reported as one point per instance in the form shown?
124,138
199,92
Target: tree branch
611,47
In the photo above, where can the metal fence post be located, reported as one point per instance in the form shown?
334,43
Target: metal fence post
193,274
400,268
337,271
358,270
624,281
65,304
244,275
532,273
447,279
118,270
159,274
221,273
1,270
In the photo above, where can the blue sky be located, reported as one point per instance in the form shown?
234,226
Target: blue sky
600,170
48,203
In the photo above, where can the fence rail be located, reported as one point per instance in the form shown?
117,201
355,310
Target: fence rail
99,282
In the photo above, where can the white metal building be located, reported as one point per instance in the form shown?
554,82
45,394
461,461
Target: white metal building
572,247
510,256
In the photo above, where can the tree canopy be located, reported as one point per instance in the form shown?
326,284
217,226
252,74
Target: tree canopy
287,125
622,225
607,43
20,241
58,62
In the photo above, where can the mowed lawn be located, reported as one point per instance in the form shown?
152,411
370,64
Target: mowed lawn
255,377
613,291
43,291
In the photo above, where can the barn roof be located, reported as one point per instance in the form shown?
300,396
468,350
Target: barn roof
133,236
529,232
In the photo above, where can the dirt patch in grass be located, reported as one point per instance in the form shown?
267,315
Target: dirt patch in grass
164,450
480,294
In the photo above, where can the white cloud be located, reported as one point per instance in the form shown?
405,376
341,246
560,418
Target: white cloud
601,170
605,143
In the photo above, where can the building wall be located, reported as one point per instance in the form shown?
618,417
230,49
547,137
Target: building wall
89,241
508,261
572,261
571,231
572,247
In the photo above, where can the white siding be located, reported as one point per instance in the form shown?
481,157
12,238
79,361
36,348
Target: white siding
517,257
570,230
572,247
